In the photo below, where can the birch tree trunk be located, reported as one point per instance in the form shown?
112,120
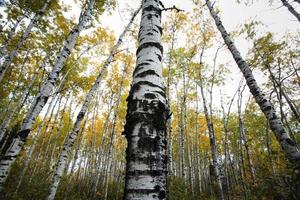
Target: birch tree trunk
61,164
3,49
213,146
8,60
288,146
43,95
147,113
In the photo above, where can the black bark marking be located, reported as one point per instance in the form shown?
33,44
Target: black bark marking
139,67
160,29
24,134
152,8
147,72
158,56
150,96
290,142
150,44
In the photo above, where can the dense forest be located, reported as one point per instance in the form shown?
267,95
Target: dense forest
173,104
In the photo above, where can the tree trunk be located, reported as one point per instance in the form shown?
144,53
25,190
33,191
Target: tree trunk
61,164
213,146
288,146
13,53
3,49
147,113
43,95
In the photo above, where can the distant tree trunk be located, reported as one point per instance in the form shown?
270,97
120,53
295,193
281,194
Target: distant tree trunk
61,164
171,164
288,146
13,53
182,127
43,95
147,113
61,122
214,168
3,49
244,137
112,133
9,116
291,9
198,160
227,161
35,140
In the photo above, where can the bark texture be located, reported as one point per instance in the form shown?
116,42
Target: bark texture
288,146
147,113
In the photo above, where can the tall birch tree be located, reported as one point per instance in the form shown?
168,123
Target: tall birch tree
147,113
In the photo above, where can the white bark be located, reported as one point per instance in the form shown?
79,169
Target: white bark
147,113
62,161
33,146
213,146
13,53
288,146
43,95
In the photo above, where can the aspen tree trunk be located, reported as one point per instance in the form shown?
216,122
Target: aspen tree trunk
43,95
283,93
33,146
198,167
291,8
112,134
61,164
13,53
288,146
6,122
213,146
59,127
244,138
36,164
147,113
51,134
3,49
226,145
171,163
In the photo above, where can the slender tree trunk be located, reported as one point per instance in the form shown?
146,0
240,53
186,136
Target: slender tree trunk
147,113
277,83
291,8
244,137
198,160
9,116
59,128
213,146
288,146
3,49
61,164
43,95
13,53
112,134
33,146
